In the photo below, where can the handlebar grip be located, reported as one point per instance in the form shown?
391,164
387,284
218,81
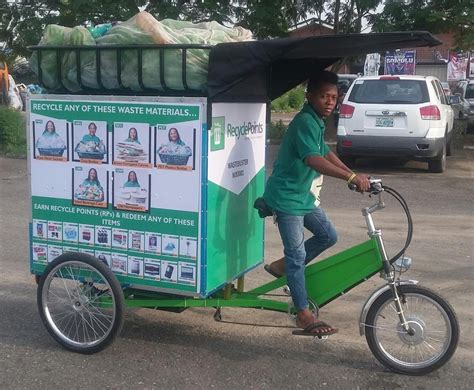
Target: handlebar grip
352,186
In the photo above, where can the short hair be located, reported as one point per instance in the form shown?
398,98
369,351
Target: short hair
323,77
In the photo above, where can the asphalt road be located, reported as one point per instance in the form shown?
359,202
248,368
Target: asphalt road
251,349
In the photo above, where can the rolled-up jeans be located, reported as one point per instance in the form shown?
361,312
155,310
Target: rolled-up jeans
299,252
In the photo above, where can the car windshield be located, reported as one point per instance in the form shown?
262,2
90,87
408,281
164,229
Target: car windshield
469,91
394,91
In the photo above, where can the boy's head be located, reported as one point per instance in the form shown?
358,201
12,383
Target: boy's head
321,93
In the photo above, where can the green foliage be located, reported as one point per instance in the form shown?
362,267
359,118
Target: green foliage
276,130
22,23
12,133
435,16
291,101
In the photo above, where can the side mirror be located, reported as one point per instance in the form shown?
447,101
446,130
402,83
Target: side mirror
454,99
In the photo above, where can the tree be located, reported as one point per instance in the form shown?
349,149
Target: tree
22,22
435,16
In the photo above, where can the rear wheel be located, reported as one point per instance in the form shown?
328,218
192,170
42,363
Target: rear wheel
80,302
432,320
438,164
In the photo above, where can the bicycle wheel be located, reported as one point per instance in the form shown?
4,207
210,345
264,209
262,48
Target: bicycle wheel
80,303
436,331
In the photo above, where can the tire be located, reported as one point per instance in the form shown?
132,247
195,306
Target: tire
449,150
80,302
438,164
397,350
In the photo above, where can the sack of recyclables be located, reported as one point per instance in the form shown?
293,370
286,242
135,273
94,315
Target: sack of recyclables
143,28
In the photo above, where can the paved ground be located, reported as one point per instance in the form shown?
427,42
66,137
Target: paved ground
253,349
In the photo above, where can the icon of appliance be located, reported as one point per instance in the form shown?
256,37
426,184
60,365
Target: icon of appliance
39,229
152,270
170,247
119,239
187,273
135,268
70,233
169,271
86,235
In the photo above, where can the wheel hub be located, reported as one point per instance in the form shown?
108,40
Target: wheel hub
80,302
418,328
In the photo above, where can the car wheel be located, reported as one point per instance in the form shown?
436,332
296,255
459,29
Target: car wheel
449,151
438,164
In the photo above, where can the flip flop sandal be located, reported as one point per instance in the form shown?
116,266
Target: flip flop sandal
267,268
308,331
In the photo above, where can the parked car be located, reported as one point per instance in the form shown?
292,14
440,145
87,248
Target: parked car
346,79
460,106
446,88
401,116
466,90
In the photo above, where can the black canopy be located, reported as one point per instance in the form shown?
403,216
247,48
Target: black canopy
262,70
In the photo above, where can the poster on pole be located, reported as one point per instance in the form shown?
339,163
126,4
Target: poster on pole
457,66
372,64
400,62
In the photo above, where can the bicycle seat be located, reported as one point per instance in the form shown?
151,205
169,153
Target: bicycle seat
262,207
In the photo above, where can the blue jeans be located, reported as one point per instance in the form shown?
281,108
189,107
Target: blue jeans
298,252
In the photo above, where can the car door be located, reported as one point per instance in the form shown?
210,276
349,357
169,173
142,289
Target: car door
447,114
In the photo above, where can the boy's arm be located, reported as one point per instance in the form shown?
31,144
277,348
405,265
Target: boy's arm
324,166
332,157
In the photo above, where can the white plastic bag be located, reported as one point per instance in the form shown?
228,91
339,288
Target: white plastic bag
14,99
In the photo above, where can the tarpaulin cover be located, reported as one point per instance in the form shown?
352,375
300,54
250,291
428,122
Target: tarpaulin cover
264,70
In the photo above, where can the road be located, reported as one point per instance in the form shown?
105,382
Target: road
251,349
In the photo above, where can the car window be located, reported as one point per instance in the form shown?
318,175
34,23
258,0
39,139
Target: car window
441,94
394,91
435,89
469,91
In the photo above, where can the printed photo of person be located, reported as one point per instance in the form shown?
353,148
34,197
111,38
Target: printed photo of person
52,143
131,189
92,146
132,144
90,191
175,148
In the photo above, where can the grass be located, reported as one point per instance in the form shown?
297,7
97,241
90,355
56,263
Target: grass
12,133
293,100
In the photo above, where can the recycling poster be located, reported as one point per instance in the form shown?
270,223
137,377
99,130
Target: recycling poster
120,180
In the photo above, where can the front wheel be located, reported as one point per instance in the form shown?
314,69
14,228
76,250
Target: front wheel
435,326
80,302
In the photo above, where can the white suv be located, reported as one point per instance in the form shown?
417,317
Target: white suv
402,116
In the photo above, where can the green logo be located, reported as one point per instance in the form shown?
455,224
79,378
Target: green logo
218,133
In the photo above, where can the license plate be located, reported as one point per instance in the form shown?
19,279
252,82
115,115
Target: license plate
384,122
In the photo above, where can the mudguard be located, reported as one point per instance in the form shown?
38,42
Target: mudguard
371,300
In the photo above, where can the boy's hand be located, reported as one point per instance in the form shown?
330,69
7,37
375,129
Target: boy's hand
362,182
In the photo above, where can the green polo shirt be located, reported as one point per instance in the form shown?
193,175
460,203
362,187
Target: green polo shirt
288,188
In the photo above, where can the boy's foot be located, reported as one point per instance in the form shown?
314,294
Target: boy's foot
311,325
277,268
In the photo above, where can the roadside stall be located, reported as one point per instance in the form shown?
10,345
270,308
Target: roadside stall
142,191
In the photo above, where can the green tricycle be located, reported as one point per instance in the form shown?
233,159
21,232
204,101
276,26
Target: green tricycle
133,227
410,329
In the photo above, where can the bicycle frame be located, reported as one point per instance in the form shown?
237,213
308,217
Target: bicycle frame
325,280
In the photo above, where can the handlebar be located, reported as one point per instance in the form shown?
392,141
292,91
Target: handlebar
376,186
